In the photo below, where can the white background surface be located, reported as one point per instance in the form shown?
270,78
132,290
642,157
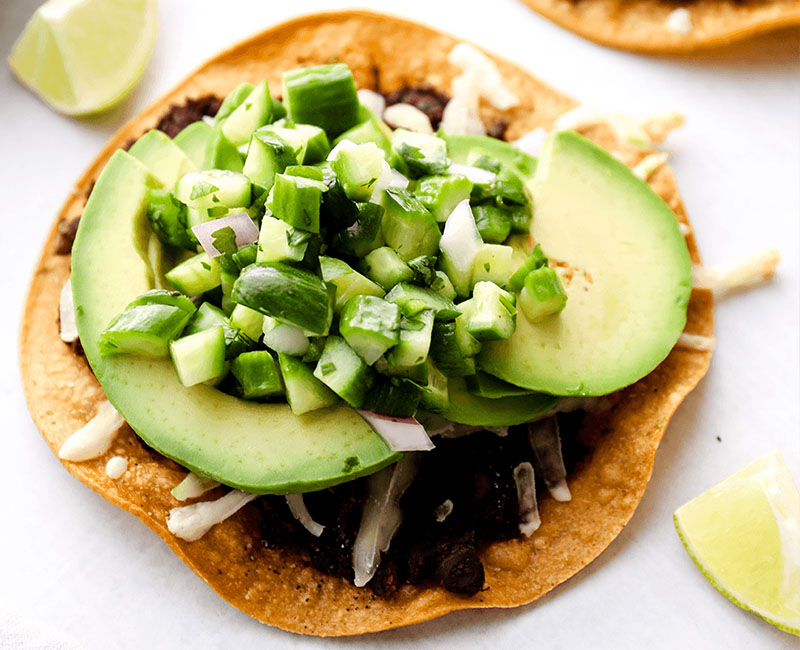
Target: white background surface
72,561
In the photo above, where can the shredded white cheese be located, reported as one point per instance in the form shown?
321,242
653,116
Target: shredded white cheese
680,21
194,521
297,506
442,511
649,164
95,437
193,486
406,116
372,100
526,498
696,342
531,143
484,75
749,273
459,119
66,313
116,467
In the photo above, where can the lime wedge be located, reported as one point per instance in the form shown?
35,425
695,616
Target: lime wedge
84,56
744,535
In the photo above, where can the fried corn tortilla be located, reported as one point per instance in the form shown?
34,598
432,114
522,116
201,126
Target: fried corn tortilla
278,587
644,25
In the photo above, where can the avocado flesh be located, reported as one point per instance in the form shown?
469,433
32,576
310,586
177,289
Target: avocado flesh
261,448
165,159
466,408
632,279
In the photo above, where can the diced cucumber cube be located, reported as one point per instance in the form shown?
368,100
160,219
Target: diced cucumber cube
306,171
413,299
249,321
324,95
393,396
368,131
466,342
309,142
284,338
196,275
194,141
358,169
419,153
344,372
459,245
296,201
267,156
441,284
274,242
435,396
256,374
304,391
492,313
220,153
370,325
535,260
493,223
449,352
520,216
386,267
441,194
169,219
492,264
504,189
199,357
233,100
347,281
415,341
543,295
208,316
254,112
408,227
364,235
214,188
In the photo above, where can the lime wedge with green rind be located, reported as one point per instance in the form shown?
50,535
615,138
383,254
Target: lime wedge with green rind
744,535
85,56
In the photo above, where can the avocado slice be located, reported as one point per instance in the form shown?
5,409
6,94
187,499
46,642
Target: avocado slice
631,277
261,448
165,159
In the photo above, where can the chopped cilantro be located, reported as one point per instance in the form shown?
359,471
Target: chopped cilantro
203,188
224,240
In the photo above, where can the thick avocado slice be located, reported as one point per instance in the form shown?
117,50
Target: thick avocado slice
459,147
165,159
466,408
630,277
260,448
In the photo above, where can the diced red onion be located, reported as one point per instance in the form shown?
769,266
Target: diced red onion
526,498
298,508
401,434
545,440
66,313
381,516
242,225
474,174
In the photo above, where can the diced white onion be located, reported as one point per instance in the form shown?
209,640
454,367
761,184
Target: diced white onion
749,273
680,21
649,164
696,342
372,100
443,511
209,120
66,313
381,516
526,498
545,441
389,178
116,467
461,240
242,225
406,116
459,119
474,174
531,143
193,486
626,128
194,521
485,74
285,337
344,144
95,437
401,434
297,505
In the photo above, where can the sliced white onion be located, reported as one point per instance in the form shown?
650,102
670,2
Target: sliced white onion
442,511
679,21
526,498
461,240
459,119
750,272
242,225
545,441
475,63
406,116
372,100
344,144
381,516
531,143
66,314
696,342
297,506
474,174
401,434
95,437
193,486
194,521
